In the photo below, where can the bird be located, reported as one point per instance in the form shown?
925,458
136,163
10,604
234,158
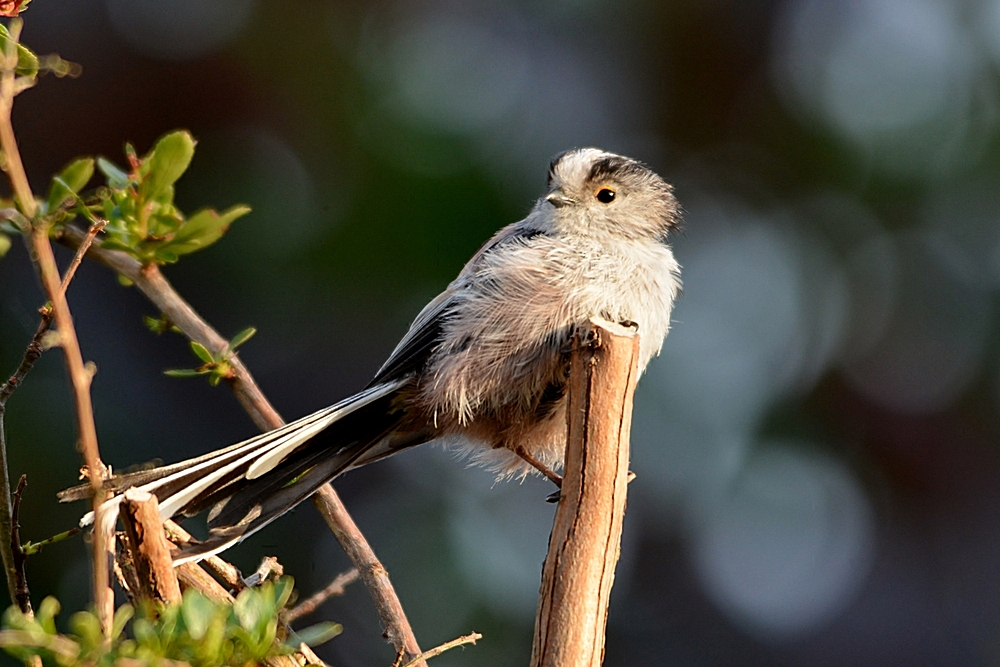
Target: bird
483,367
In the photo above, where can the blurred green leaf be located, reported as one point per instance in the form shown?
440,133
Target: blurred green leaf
27,62
184,372
241,338
46,614
202,352
317,634
59,66
116,178
4,244
168,160
122,616
159,325
114,244
69,181
203,229
198,613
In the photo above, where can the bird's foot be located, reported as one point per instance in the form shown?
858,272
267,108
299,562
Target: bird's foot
555,478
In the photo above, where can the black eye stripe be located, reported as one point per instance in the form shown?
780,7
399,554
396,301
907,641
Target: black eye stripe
615,167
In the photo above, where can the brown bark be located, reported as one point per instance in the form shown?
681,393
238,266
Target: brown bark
150,551
586,534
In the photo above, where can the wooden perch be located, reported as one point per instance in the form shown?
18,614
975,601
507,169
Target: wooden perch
150,551
586,534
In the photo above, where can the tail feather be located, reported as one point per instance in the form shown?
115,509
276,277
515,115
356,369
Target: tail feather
344,440
253,482
224,536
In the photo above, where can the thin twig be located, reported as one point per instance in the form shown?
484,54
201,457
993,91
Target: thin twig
151,282
447,646
373,573
312,603
22,596
92,233
31,355
48,271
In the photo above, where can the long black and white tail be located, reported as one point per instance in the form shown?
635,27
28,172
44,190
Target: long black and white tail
250,484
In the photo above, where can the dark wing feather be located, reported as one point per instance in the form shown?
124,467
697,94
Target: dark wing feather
425,333
413,350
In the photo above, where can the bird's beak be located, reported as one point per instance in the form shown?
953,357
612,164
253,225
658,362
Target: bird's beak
558,199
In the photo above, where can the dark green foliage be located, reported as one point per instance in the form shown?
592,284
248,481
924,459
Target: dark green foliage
198,631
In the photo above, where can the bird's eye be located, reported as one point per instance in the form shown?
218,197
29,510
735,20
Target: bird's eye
605,195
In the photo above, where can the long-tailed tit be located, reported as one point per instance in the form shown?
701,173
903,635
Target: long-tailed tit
483,366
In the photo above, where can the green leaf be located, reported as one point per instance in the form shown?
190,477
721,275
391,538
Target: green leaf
122,616
47,613
115,244
317,634
283,589
4,244
184,372
169,159
198,612
250,610
27,62
241,338
202,352
87,627
165,257
69,181
203,229
116,178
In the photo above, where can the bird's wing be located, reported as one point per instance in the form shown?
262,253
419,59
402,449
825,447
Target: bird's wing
427,328
412,351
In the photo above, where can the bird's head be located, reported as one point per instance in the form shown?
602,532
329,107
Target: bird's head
592,191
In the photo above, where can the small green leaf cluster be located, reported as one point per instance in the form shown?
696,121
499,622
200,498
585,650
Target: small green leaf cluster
198,631
216,366
139,205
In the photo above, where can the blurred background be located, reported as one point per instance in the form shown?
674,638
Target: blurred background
816,447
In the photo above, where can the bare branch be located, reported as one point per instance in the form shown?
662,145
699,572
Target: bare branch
447,646
373,573
313,602
7,526
22,596
586,533
151,282
48,271
92,233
